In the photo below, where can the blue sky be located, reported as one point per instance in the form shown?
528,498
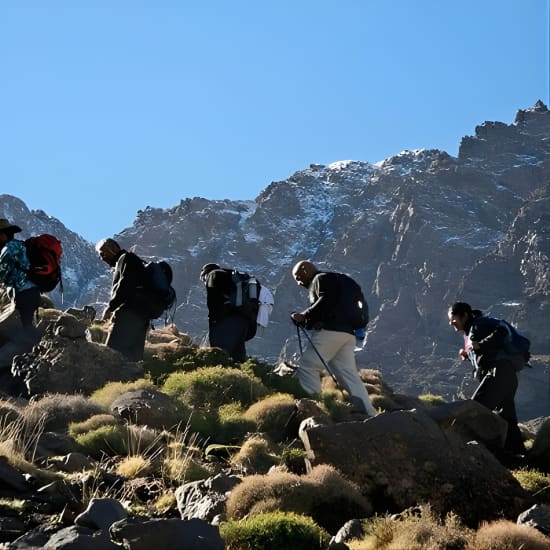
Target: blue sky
109,106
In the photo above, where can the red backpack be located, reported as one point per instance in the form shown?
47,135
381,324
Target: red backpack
44,253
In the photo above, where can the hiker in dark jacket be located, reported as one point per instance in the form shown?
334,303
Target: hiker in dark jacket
227,329
17,331
129,323
332,334
484,346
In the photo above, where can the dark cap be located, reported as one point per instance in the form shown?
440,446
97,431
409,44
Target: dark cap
8,227
207,268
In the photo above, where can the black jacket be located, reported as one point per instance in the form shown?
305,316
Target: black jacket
128,280
329,304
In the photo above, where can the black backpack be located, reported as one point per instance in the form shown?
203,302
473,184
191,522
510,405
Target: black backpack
244,298
159,295
352,299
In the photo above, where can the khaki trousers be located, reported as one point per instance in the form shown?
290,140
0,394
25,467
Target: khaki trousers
336,348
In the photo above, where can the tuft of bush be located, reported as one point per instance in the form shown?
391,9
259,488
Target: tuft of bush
134,466
256,455
212,387
535,482
431,399
58,410
505,535
415,529
324,494
274,531
272,414
197,358
232,424
94,422
109,393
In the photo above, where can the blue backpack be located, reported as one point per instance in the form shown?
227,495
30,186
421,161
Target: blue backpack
516,343
160,296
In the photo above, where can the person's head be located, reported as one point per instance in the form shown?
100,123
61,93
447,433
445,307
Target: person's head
108,250
7,231
461,316
303,272
206,269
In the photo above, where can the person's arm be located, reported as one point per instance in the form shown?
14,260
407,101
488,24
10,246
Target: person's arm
487,336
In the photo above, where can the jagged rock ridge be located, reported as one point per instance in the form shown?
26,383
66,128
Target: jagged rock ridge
418,231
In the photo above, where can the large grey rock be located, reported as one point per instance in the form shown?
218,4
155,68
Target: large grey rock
205,499
60,364
101,513
403,458
176,534
80,538
540,451
538,516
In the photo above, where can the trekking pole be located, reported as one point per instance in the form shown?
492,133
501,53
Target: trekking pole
299,340
318,354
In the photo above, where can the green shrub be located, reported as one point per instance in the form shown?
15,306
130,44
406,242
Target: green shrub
274,531
332,401
157,370
108,394
212,387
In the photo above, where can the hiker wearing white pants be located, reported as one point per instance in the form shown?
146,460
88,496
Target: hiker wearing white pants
337,349
330,318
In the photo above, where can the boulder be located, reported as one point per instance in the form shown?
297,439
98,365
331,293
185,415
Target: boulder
205,499
177,534
64,361
404,458
101,513
538,516
147,407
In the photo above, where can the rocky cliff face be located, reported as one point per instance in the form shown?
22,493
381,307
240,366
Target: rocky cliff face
418,231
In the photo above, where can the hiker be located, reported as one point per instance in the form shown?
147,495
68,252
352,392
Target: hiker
484,346
17,331
129,322
228,328
332,335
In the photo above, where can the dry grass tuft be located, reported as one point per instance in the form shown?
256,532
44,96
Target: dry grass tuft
134,466
271,414
58,410
505,535
256,455
535,482
413,531
92,423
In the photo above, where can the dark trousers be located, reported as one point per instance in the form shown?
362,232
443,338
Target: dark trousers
229,333
128,333
496,392
27,302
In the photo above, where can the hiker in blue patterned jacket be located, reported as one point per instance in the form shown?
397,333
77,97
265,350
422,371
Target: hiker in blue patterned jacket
129,322
485,346
13,263
17,331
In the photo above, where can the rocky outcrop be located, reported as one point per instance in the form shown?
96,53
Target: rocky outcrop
65,362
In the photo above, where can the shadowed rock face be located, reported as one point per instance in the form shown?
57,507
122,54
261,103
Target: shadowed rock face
418,231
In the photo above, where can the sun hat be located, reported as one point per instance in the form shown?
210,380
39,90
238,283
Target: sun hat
5,225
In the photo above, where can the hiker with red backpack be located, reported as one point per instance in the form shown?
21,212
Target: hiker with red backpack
14,267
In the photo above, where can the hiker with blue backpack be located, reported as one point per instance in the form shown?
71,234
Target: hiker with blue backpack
337,309
496,351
